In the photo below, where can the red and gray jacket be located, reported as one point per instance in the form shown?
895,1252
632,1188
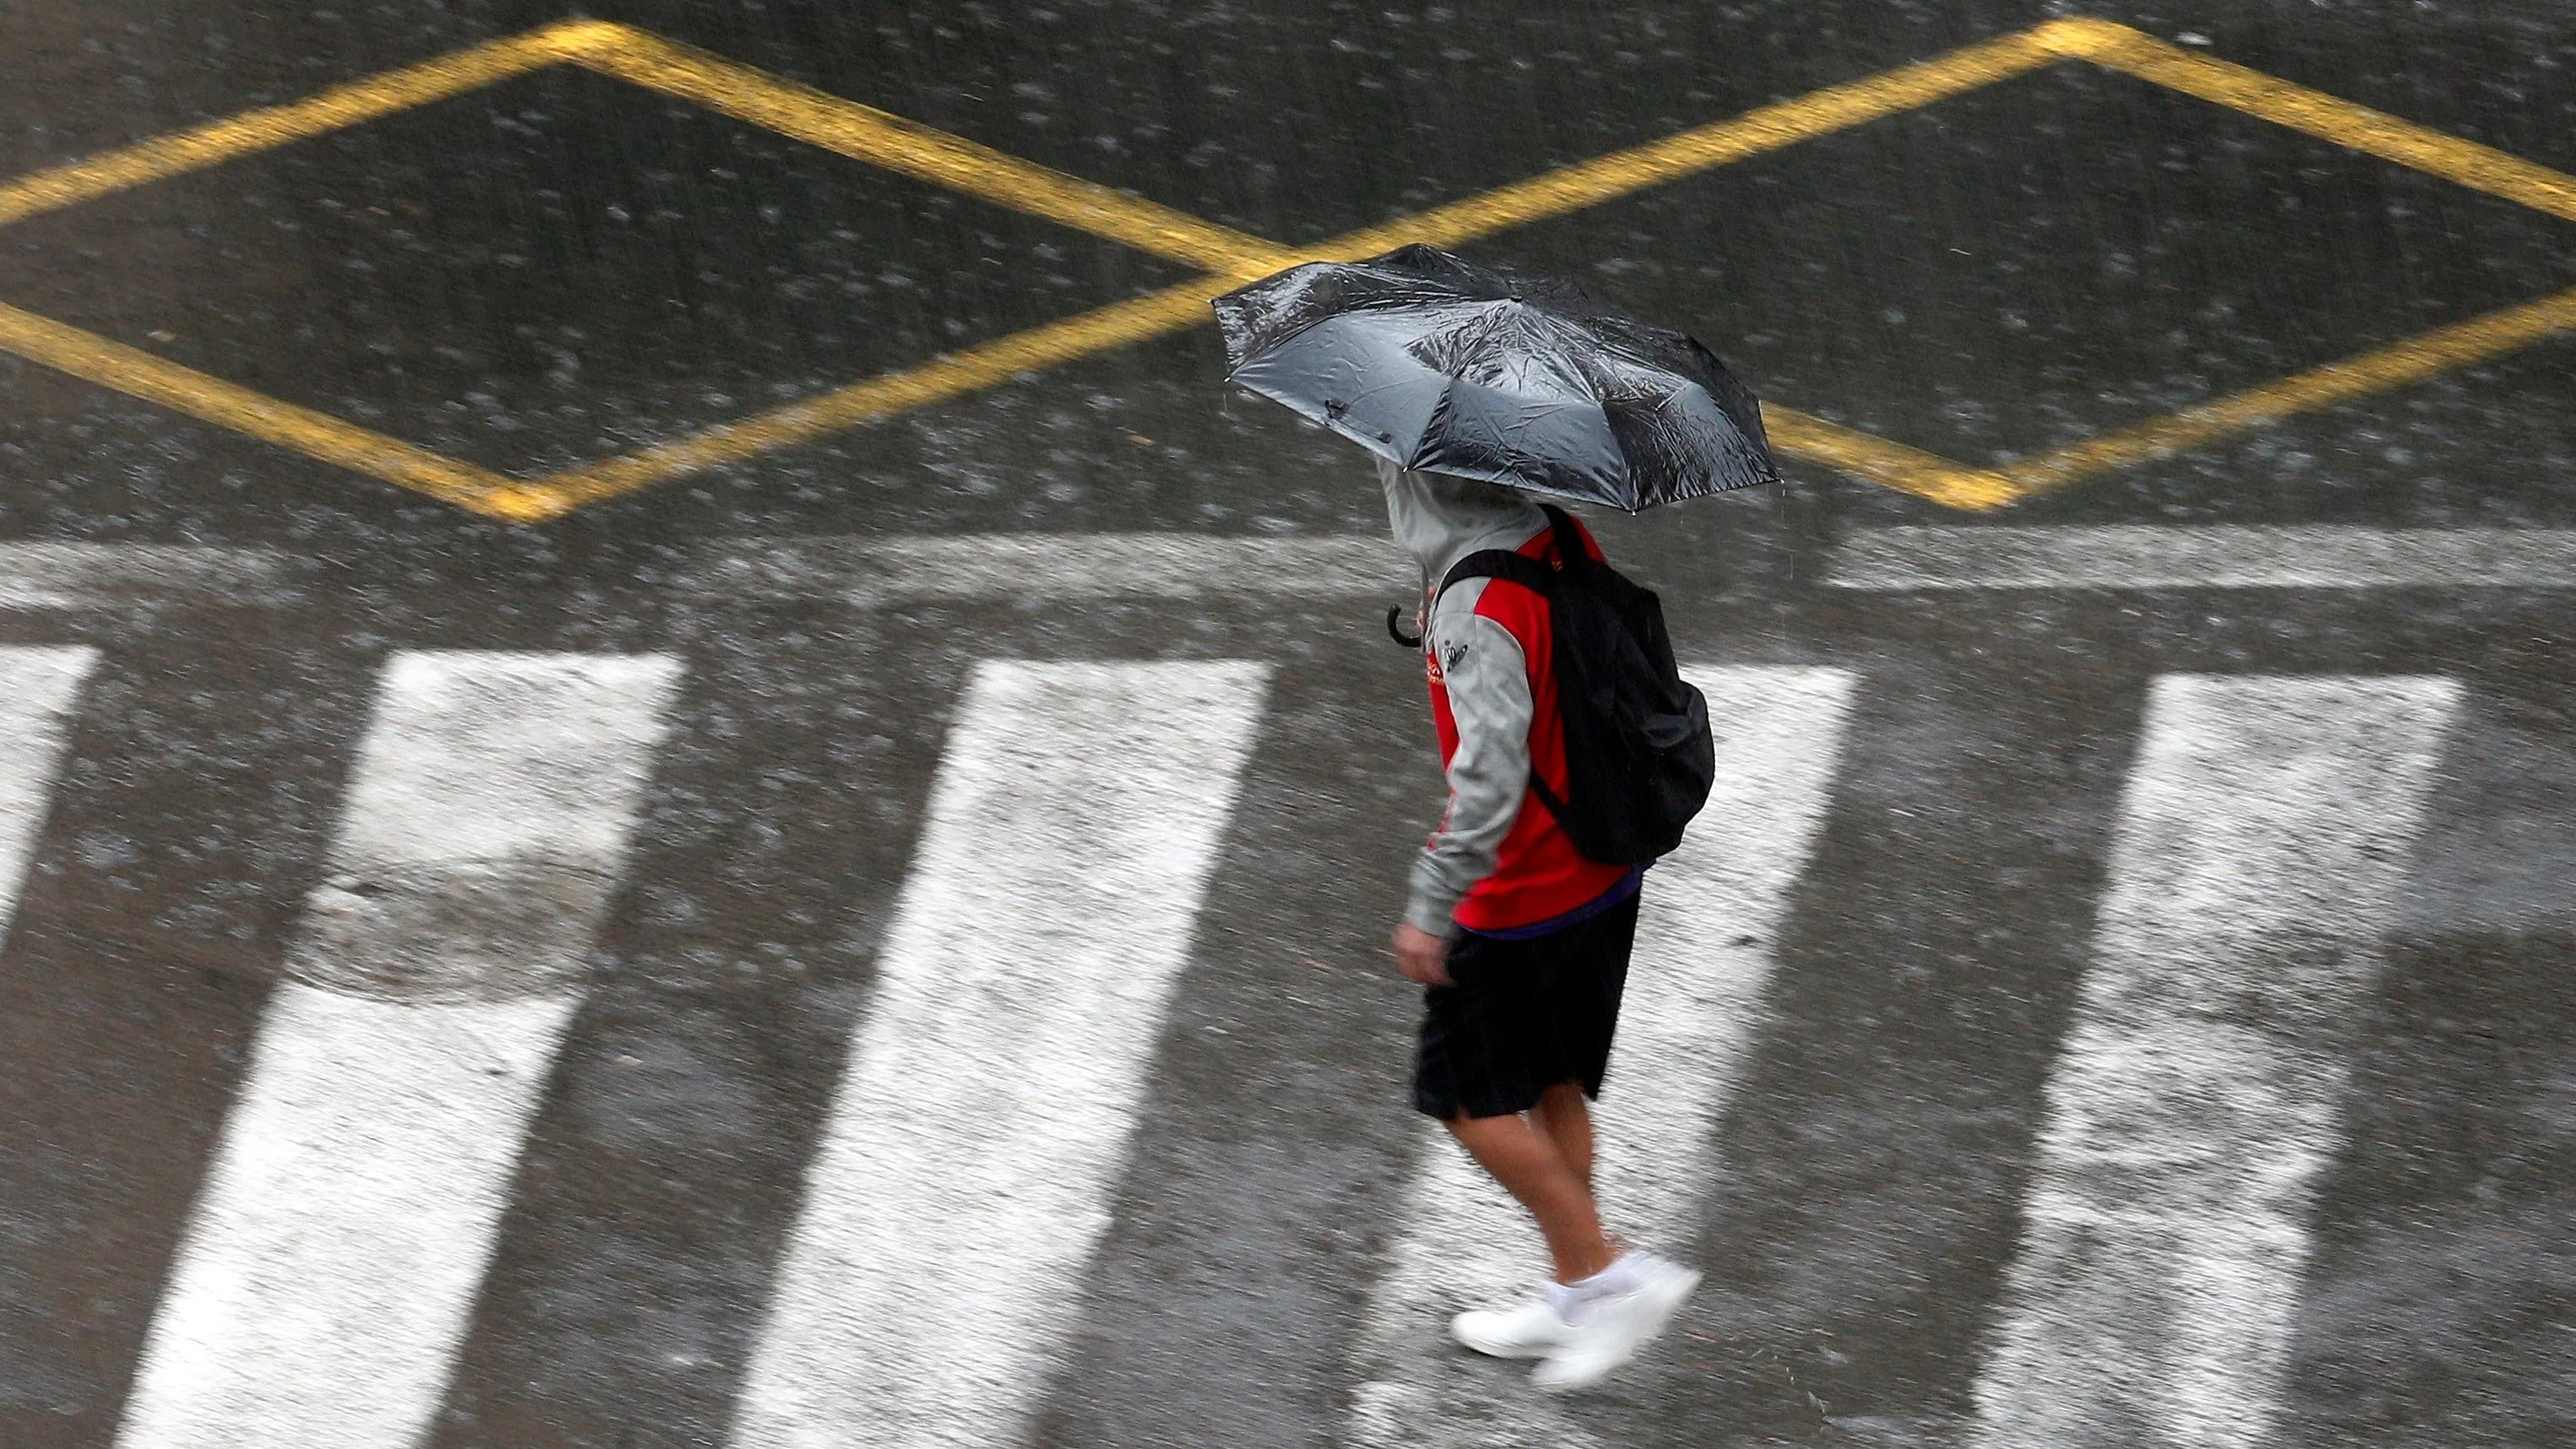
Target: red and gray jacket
1499,863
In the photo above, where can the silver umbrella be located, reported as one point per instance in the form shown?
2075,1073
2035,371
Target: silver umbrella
1438,364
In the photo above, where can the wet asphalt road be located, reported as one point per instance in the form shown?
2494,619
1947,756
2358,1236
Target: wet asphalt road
561,268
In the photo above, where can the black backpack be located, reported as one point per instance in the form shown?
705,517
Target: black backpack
1638,757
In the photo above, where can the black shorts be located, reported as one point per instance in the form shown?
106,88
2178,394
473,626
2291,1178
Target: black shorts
1522,1017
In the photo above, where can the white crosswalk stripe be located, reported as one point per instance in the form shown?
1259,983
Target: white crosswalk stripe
335,1249
2259,847
963,1176
1704,949
37,687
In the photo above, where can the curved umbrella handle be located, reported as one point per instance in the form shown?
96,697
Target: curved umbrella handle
1398,635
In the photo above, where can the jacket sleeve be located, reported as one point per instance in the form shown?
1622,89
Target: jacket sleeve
1489,698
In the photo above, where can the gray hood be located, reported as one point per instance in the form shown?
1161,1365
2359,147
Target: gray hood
1439,519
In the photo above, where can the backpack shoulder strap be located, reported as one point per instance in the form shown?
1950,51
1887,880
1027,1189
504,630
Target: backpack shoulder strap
1499,563
1535,574
1491,563
1568,537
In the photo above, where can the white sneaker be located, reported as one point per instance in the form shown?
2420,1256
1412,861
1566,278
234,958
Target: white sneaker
1637,1296
1530,1331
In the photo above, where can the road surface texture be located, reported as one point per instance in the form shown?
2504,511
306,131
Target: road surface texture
672,771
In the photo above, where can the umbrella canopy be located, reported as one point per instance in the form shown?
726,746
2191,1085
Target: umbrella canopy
1438,364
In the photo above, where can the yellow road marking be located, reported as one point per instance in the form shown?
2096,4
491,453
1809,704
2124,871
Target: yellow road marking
1230,256
273,126
882,139
140,374
1184,306
2331,118
1171,310
1768,128
2413,360
1892,465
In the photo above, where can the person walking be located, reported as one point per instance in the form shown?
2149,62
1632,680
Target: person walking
1520,942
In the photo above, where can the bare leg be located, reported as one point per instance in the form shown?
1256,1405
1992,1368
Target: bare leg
1527,1162
1567,1120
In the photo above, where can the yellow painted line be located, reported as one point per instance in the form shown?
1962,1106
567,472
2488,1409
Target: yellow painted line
1892,465
2331,118
1184,306
319,435
880,138
2396,365
1911,470
1768,128
273,126
1171,310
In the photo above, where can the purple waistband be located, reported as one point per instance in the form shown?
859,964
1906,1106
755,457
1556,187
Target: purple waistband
1620,890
